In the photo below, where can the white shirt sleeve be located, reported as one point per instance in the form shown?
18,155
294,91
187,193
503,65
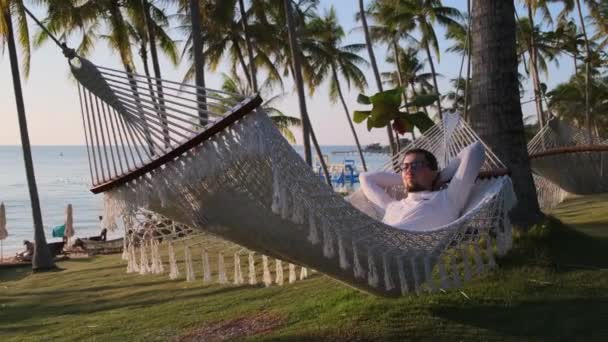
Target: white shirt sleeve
374,184
469,162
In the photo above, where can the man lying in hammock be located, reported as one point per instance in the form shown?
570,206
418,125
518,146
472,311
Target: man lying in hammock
428,203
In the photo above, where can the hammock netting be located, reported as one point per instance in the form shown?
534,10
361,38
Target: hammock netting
176,178
568,158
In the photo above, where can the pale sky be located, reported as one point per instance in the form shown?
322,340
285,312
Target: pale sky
53,110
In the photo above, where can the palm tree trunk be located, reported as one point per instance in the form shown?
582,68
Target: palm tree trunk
42,259
157,74
199,61
295,53
143,53
348,118
372,59
399,74
252,68
495,106
415,93
428,54
403,84
241,59
588,118
535,75
468,52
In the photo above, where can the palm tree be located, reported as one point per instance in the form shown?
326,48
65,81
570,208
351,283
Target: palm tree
569,6
252,68
329,57
297,72
389,32
566,100
495,106
372,59
190,14
425,13
568,40
147,26
540,46
284,123
412,73
42,258
458,96
460,33
599,15
90,19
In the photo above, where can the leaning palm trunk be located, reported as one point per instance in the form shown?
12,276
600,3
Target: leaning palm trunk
468,52
588,118
144,61
297,72
42,259
534,70
372,58
348,118
157,74
241,59
252,69
428,53
495,107
199,61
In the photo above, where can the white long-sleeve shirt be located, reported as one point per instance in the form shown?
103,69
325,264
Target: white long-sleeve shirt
426,210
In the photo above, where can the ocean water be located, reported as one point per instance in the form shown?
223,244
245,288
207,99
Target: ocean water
62,176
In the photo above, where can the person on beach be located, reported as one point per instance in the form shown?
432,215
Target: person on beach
430,202
28,253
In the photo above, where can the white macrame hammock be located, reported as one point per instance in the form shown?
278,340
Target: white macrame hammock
565,160
232,175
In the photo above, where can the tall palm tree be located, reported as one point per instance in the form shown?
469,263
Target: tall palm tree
330,58
390,32
297,72
147,26
372,59
568,7
412,73
190,14
599,15
495,106
42,258
460,34
426,13
458,96
284,123
568,40
540,47
250,55
105,19
567,101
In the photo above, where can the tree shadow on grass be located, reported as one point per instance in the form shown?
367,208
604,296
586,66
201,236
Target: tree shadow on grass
15,273
45,306
559,319
561,247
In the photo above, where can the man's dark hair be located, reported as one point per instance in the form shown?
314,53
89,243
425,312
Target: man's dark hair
430,158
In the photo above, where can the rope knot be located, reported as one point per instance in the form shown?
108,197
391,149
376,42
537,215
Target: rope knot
68,52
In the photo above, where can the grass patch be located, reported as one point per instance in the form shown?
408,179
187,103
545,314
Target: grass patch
552,286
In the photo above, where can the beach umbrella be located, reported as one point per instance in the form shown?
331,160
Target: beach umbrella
69,222
3,232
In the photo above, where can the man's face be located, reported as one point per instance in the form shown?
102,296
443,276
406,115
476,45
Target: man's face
416,173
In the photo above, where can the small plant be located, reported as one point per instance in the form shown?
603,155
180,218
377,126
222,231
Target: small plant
386,110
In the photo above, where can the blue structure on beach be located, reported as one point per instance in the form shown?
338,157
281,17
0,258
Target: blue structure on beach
342,175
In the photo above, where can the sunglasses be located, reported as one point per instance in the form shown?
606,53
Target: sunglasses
414,166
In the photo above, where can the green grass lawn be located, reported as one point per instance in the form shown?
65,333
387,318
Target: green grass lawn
552,286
